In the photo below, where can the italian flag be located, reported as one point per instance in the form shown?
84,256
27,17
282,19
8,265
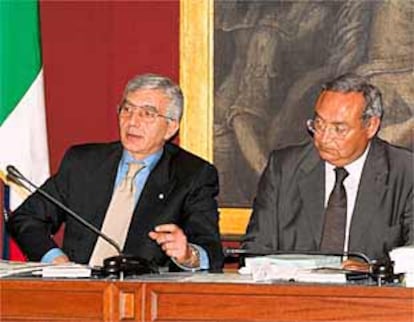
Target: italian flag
23,137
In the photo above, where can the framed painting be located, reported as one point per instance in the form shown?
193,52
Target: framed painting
251,70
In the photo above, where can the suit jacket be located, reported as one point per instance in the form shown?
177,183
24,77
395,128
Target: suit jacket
181,189
288,212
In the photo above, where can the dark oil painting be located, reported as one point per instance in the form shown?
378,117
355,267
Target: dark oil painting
270,59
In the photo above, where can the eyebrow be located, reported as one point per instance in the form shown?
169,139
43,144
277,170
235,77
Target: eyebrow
333,123
148,106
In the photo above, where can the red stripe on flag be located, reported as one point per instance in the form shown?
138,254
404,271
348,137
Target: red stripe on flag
15,253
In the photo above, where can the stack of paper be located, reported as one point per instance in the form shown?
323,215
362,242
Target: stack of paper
403,258
70,270
301,268
10,268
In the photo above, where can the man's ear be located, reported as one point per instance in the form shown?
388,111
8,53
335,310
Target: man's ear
172,129
373,126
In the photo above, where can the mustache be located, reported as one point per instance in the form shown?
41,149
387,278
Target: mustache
131,130
327,148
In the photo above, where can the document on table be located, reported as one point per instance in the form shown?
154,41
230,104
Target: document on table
293,267
10,268
403,258
69,270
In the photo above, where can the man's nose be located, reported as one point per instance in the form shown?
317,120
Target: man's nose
327,135
136,118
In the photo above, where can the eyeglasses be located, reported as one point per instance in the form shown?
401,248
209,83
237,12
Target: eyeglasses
146,113
320,127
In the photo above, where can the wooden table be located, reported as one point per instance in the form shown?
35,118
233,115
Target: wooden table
156,299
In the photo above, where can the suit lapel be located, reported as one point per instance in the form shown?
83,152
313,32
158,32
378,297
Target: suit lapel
312,191
372,187
104,179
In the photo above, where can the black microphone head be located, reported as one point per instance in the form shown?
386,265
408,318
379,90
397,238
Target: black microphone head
13,172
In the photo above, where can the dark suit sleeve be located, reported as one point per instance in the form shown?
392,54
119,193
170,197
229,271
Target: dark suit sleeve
201,215
408,212
33,224
261,234
409,220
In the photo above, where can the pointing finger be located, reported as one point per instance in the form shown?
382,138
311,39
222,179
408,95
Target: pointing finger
166,228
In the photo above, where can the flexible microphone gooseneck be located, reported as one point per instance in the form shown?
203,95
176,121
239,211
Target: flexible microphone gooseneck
120,265
15,175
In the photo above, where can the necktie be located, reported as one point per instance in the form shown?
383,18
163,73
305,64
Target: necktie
118,216
333,236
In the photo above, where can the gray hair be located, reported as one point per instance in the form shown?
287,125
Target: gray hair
355,83
154,81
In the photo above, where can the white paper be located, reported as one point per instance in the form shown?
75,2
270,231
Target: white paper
300,268
10,268
403,258
69,270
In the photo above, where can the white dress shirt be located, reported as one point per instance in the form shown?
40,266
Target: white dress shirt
351,184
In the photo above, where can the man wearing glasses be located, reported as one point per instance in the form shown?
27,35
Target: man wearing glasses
348,191
154,199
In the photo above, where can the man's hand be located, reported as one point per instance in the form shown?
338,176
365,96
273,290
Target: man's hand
62,259
173,242
355,265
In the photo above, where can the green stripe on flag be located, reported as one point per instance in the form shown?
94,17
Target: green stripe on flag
20,58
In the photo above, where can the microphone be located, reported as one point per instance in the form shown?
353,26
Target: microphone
15,176
120,265
6,210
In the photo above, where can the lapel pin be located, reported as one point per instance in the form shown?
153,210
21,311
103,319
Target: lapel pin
161,196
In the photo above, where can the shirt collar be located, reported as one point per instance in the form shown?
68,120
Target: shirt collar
150,161
356,165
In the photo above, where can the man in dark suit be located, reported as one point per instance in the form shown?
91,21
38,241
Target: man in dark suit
174,211
290,211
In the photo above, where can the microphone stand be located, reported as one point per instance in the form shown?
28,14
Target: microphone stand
115,266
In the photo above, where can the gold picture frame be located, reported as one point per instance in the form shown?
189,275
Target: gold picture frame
196,80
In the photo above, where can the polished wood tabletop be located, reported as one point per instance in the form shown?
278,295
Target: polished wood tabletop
213,297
